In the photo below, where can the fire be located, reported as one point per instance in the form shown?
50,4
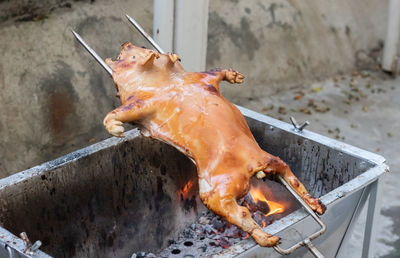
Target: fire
258,196
185,191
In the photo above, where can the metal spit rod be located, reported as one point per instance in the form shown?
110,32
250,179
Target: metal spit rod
100,60
307,241
144,34
92,52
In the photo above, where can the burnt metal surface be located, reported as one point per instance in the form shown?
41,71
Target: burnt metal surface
122,196
105,200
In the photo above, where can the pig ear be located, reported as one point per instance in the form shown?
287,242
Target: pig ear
173,57
148,58
127,46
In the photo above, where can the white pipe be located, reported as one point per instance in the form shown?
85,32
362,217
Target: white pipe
163,24
390,51
190,34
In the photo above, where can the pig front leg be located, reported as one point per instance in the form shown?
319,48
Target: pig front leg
129,112
228,75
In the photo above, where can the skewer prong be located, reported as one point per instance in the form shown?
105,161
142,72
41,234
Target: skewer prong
93,53
147,36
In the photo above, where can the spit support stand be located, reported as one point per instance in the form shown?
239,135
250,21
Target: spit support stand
306,242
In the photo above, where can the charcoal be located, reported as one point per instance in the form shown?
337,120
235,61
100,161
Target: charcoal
212,233
141,255
224,242
212,243
217,223
232,231
255,206
204,220
216,237
244,235
258,217
209,229
188,233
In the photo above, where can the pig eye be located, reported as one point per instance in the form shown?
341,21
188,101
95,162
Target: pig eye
133,57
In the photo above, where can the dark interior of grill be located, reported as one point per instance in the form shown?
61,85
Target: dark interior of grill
134,196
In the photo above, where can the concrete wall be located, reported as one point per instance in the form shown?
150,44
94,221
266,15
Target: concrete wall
54,96
279,44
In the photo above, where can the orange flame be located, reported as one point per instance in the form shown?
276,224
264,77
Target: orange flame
185,191
258,196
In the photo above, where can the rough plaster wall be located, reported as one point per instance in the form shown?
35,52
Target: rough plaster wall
54,96
278,44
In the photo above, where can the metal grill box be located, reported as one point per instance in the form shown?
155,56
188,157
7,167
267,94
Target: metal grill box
119,196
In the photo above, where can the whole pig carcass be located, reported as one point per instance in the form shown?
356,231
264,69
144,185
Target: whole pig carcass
186,110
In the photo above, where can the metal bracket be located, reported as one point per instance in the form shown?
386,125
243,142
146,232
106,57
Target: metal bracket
306,242
296,126
30,248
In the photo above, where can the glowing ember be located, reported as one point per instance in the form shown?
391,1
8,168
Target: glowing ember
258,196
267,202
247,235
263,224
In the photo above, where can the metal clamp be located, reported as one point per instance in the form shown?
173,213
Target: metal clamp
298,127
30,248
306,242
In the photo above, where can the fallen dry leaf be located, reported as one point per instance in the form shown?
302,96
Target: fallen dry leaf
298,97
317,89
282,110
305,110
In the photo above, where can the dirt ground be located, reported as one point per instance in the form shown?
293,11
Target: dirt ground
361,109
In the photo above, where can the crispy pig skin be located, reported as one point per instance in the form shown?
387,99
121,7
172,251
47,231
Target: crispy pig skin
187,111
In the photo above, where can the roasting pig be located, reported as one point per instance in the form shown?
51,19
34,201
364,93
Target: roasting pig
186,110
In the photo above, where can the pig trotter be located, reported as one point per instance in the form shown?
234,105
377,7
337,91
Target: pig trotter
113,126
233,76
